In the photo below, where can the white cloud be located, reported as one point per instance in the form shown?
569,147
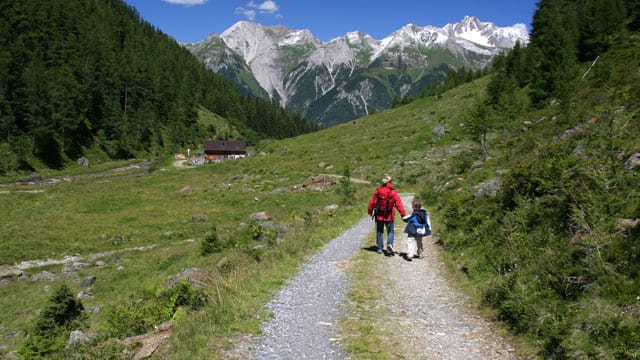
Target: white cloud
268,7
248,13
186,2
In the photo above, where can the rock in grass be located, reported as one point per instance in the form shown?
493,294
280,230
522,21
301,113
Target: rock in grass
200,217
9,273
633,162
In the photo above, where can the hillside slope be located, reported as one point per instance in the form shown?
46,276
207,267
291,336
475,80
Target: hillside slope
545,222
93,79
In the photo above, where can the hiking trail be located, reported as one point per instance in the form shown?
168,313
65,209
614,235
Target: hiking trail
427,314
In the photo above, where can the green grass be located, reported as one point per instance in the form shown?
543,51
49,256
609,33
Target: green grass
90,215
363,335
223,129
119,212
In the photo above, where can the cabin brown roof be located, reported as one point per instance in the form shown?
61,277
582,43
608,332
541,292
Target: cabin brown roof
225,147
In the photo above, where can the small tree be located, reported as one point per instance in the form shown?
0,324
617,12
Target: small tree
51,329
211,243
480,121
346,188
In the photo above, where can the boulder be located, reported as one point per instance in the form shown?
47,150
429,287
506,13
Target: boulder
633,162
83,295
9,273
331,207
44,276
77,337
73,266
487,189
34,177
150,342
439,131
260,216
200,217
86,282
194,276
625,225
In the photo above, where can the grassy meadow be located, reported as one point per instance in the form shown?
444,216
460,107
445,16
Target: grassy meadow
141,221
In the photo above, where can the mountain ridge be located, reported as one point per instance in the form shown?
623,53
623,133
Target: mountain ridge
357,72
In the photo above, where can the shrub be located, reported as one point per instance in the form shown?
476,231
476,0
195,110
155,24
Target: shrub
142,313
135,317
182,294
51,329
8,159
211,243
603,331
98,347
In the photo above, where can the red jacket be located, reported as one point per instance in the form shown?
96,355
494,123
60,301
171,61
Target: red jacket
396,202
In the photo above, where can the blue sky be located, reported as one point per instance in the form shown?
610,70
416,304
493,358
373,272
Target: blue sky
192,20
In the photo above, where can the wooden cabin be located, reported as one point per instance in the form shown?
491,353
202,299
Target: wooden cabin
224,149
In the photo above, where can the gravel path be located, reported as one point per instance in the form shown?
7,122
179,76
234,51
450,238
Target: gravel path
305,311
428,314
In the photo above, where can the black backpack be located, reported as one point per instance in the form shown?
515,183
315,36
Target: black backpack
384,205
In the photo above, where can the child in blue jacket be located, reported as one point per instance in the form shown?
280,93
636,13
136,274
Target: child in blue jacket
418,226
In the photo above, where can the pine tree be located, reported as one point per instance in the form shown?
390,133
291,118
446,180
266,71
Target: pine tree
598,20
633,11
553,51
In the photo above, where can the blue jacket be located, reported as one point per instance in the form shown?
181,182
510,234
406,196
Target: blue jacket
418,218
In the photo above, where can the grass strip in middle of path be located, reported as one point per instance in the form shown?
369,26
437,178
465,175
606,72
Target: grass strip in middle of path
362,329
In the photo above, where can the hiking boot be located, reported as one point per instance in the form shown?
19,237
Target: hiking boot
390,249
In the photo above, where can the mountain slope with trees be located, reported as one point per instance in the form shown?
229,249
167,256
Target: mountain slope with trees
544,218
78,76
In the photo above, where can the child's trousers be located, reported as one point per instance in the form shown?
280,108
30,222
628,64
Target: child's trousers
411,247
415,246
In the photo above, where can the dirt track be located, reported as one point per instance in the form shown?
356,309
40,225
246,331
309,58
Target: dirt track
430,315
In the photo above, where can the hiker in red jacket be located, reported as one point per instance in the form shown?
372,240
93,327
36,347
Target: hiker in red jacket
381,207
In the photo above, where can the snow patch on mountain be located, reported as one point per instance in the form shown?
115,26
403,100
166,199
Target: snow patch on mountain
299,37
284,61
476,37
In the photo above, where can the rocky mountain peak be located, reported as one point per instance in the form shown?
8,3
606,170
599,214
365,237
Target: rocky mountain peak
300,37
298,70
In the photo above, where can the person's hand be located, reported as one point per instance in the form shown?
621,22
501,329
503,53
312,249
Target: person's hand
406,217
